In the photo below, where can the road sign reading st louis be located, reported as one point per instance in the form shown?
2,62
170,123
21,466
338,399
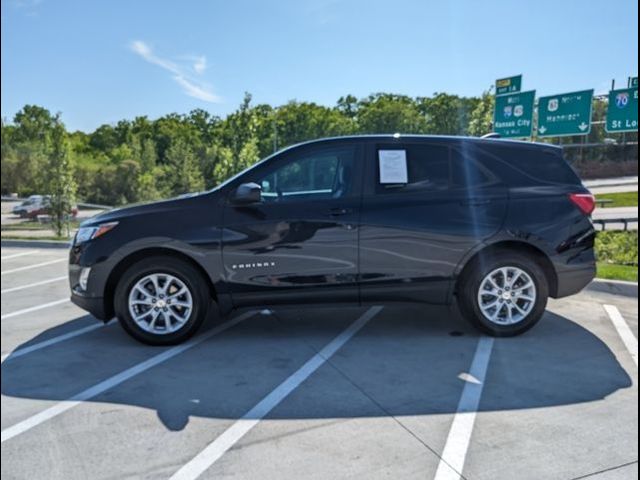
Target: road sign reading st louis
622,113
513,115
565,114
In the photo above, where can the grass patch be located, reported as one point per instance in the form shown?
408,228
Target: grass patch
35,226
617,254
45,238
622,199
617,272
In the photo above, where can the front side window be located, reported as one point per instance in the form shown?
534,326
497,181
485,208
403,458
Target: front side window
322,174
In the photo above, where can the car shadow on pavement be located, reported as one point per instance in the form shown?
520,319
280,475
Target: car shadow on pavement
399,364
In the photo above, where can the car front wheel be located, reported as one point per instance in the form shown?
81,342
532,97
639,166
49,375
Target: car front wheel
161,300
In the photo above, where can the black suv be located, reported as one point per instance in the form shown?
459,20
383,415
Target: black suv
498,225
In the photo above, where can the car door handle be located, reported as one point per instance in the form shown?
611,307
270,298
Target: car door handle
339,212
475,202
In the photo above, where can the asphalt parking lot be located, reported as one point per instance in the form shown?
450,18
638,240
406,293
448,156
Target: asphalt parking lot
395,392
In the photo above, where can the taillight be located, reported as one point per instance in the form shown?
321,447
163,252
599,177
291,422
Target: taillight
584,201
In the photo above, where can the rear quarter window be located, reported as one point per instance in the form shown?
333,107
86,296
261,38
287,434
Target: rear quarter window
532,166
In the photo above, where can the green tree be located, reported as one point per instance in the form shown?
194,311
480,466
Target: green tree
148,155
182,167
348,106
481,118
446,114
390,113
227,165
60,181
33,123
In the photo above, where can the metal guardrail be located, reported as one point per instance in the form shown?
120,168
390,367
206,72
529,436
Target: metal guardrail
625,221
79,204
603,202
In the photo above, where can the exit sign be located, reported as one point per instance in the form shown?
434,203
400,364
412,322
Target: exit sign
505,86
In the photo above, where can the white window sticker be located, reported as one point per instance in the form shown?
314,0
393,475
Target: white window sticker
393,166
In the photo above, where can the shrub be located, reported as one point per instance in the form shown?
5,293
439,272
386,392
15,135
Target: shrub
619,248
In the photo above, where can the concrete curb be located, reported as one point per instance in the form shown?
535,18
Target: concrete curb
36,243
614,287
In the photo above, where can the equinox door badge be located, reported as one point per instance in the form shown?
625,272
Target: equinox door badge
253,265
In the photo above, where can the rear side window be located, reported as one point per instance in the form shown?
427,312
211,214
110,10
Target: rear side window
427,169
534,165
467,171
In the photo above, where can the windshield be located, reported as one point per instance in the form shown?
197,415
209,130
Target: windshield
255,165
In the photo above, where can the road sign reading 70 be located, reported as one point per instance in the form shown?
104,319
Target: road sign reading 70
622,113
565,114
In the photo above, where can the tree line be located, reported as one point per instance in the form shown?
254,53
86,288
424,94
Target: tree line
143,159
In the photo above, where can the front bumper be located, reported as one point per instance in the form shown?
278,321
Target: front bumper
94,305
91,299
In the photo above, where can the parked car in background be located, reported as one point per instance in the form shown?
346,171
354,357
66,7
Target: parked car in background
33,206
498,226
37,205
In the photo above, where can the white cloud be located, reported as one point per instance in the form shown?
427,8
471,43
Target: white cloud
190,86
196,91
200,64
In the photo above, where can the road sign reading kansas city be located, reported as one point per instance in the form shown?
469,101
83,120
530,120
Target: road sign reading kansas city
508,85
622,113
565,114
513,116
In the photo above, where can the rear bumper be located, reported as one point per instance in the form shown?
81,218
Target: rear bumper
573,280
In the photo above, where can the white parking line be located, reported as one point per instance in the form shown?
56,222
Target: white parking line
16,255
207,457
37,265
629,340
97,389
52,341
36,284
34,309
455,449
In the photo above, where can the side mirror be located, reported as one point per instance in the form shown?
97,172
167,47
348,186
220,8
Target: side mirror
247,194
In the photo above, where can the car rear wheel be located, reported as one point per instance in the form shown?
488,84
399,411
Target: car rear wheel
161,300
503,295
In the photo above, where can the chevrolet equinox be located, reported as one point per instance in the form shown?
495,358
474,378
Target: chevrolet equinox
496,225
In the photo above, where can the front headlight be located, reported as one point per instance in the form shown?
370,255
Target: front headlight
85,234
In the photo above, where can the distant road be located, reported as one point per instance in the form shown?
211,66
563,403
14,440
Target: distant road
612,185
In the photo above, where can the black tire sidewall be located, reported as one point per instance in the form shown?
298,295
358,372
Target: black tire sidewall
471,285
178,268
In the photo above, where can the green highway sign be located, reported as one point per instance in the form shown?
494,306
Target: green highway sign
513,115
633,82
622,113
504,86
565,114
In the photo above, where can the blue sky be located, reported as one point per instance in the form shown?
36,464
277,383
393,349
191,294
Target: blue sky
99,62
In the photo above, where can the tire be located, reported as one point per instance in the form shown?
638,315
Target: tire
477,294
177,316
